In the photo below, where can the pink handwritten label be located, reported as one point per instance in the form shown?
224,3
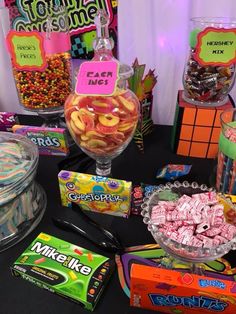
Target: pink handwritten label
97,78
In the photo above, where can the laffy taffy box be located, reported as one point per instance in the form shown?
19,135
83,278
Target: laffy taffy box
95,193
169,291
65,269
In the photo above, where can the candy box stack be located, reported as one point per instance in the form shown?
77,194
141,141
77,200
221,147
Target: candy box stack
170,291
196,129
65,269
95,193
22,201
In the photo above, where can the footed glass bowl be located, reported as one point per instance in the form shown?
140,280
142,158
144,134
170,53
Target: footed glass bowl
182,252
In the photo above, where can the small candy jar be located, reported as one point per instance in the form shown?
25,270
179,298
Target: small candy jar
103,124
39,47
226,167
22,200
209,72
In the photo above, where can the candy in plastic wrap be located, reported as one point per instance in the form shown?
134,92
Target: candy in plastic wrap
171,172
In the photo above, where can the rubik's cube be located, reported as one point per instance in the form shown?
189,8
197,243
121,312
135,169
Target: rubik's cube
196,129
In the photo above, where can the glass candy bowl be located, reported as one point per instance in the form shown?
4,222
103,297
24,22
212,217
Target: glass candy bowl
22,200
183,252
102,126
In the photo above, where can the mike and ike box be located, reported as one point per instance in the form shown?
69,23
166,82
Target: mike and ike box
64,269
170,291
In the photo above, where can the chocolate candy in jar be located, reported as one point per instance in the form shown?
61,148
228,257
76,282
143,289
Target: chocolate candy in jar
208,77
22,200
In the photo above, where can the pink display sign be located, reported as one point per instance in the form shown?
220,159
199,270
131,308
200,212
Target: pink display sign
56,42
97,78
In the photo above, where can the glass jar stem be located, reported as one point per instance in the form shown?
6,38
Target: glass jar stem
103,167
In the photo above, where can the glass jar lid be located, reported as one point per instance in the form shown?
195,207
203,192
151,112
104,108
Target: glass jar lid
18,164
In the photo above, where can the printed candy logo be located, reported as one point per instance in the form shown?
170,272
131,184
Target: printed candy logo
211,283
189,302
94,197
80,14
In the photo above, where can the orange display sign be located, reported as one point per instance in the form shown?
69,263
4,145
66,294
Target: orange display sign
170,291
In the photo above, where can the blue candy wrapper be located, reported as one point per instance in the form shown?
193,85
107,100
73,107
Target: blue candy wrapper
171,172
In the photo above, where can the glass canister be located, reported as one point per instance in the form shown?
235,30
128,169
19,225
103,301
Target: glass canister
39,46
22,200
103,125
209,72
226,167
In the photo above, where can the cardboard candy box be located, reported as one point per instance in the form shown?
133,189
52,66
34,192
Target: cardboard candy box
170,291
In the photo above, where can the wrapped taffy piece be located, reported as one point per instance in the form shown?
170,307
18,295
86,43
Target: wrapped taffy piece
101,113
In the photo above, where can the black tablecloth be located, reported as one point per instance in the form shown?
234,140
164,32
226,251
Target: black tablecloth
20,296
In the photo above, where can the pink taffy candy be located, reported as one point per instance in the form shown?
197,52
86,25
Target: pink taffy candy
220,239
176,215
204,226
207,242
158,216
207,198
228,231
194,241
212,232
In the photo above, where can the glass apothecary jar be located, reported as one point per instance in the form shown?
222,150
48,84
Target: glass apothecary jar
209,72
22,200
103,125
38,42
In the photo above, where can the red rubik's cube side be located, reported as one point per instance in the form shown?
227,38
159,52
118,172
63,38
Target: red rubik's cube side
196,129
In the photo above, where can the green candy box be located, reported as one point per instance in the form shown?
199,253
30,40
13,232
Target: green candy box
65,269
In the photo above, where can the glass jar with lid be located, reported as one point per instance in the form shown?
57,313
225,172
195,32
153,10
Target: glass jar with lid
103,125
209,72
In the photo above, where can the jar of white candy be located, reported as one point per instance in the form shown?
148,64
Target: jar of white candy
22,200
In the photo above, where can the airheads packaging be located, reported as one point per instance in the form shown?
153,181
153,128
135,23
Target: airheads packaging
65,269
170,291
95,193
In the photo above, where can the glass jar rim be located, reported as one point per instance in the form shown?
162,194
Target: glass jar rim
216,20
225,112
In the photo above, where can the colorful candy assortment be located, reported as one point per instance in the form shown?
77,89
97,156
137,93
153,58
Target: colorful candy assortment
48,89
207,83
102,125
19,195
195,221
20,209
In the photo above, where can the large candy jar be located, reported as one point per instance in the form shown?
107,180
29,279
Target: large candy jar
22,200
39,47
209,72
103,125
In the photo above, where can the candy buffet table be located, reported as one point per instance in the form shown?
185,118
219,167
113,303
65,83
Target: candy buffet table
19,296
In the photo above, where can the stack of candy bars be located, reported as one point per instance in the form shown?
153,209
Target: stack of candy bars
196,221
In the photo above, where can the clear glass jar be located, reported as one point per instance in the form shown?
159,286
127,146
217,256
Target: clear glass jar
42,90
226,166
102,126
207,84
22,201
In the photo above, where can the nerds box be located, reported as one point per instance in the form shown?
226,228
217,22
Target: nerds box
170,291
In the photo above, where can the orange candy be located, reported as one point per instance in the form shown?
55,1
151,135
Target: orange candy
101,125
